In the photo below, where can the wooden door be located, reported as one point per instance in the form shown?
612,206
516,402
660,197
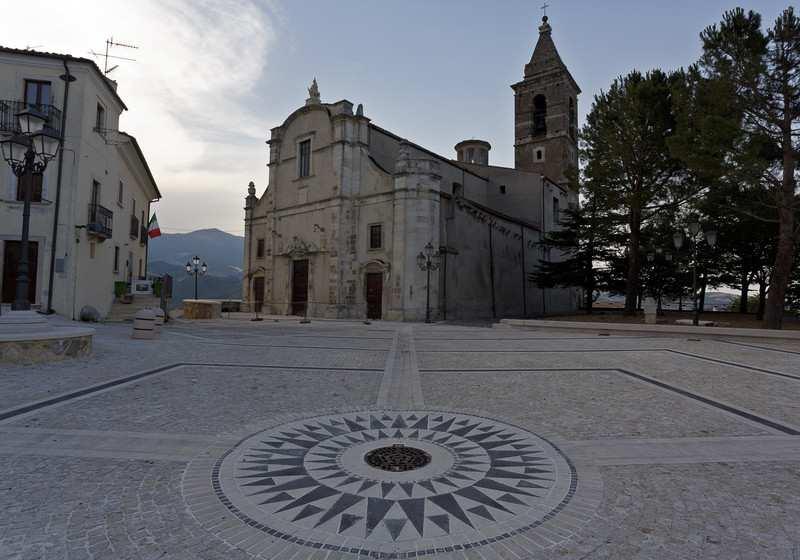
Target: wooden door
374,295
258,293
299,287
10,262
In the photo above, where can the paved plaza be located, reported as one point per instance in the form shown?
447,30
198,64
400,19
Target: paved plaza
341,440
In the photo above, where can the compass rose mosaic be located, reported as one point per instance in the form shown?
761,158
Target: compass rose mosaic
368,479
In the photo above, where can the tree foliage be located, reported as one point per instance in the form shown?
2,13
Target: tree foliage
584,239
625,147
760,70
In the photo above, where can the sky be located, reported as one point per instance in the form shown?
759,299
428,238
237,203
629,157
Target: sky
212,77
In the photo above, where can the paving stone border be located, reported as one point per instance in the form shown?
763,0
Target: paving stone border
212,509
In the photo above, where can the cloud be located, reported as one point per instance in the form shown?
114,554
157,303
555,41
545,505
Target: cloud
190,92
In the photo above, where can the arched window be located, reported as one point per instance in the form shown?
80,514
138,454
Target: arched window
539,114
573,120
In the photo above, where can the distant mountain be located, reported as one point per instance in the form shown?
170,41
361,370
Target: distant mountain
221,251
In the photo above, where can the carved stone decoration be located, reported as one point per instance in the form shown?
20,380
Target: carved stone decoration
299,248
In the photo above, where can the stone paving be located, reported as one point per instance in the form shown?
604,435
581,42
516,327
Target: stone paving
232,439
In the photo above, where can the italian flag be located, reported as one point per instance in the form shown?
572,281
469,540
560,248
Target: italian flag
152,228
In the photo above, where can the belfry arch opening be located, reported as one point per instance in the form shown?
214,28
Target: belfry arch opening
539,114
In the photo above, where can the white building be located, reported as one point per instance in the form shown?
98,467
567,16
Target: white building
91,206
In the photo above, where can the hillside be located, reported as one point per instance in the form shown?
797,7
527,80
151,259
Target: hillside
221,251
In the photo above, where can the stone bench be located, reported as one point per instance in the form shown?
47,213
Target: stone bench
202,309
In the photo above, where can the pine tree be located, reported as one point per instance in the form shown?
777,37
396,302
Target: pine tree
762,68
626,146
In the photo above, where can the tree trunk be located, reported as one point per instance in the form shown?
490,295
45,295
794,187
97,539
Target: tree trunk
745,290
589,287
632,280
784,256
762,298
702,298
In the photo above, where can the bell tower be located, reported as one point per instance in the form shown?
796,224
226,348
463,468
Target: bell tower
546,113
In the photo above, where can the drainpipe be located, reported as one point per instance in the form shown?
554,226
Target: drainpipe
146,242
524,294
68,78
491,272
444,251
542,235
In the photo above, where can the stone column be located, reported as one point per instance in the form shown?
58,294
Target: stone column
417,184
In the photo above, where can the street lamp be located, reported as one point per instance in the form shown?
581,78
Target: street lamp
193,267
428,260
694,237
28,153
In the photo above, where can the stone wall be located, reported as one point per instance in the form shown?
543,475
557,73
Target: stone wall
46,350
201,309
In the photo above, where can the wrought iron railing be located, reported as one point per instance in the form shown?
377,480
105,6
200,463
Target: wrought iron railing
10,108
101,221
143,235
134,227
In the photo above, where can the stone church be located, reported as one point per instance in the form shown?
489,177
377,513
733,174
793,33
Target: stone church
350,206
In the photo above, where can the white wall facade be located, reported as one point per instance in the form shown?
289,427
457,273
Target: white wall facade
84,272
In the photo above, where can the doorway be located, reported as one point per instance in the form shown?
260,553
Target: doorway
374,295
10,262
299,287
258,293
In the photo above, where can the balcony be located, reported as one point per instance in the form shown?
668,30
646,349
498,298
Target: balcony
9,110
101,222
143,236
134,227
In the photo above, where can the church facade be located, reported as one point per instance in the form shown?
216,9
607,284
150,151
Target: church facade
350,207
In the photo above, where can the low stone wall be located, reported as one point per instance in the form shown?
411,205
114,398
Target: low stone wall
201,309
49,349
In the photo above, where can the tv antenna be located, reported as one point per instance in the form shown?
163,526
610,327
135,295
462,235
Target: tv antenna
109,44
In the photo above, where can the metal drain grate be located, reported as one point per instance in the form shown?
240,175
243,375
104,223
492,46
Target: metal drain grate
397,458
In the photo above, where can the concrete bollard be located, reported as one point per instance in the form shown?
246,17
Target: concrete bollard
144,325
159,319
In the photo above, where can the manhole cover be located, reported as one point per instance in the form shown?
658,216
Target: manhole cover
397,458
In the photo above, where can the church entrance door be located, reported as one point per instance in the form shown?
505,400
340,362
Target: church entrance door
374,294
258,293
299,287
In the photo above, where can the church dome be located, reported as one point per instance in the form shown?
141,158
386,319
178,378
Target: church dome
473,151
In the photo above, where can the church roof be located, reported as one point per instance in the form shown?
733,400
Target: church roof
545,57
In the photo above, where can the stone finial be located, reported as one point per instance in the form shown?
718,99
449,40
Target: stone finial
251,188
360,110
313,94
545,28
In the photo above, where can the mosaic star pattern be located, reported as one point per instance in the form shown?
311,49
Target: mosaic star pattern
310,478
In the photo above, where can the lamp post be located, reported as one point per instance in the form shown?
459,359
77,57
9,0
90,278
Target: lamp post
695,238
28,153
194,268
428,260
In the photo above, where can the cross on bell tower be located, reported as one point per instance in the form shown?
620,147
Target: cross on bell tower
545,112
